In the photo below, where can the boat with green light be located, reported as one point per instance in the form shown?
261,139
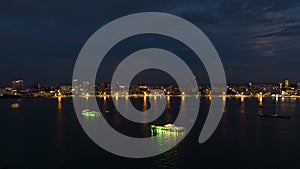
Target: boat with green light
166,128
89,113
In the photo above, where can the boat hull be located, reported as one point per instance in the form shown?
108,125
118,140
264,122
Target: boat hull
274,116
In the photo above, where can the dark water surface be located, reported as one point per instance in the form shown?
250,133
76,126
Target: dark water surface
44,133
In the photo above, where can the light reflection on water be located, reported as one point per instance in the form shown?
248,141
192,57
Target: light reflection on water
240,128
45,132
60,132
169,159
119,122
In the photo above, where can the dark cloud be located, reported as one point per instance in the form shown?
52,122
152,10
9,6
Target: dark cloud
246,33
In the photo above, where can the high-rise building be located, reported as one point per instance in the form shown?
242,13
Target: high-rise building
66,90
286,83
75,87
37,86
298,88
250,86
75,83
280,85
18,85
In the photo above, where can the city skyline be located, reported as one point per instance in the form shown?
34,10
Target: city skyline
30,84
149,84
106,88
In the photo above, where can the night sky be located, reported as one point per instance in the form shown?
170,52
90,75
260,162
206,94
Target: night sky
257,40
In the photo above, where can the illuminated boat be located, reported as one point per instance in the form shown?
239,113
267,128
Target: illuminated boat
166,128
89,113
274,116
15,105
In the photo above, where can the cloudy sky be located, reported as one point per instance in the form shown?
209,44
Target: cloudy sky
257,40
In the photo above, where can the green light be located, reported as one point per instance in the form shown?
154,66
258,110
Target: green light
90,113
166,129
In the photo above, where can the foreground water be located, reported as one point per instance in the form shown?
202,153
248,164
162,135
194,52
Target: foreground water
45,133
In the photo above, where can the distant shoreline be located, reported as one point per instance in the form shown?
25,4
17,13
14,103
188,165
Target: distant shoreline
141,96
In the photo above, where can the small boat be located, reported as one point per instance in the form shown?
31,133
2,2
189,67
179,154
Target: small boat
89,113
15,105
274,116
166,128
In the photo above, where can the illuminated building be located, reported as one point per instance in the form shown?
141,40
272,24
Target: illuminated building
75,82
143,89
86,89
2,92
66,90
286,83
280,86
290,91
105,87
75,87
250,86
18,84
